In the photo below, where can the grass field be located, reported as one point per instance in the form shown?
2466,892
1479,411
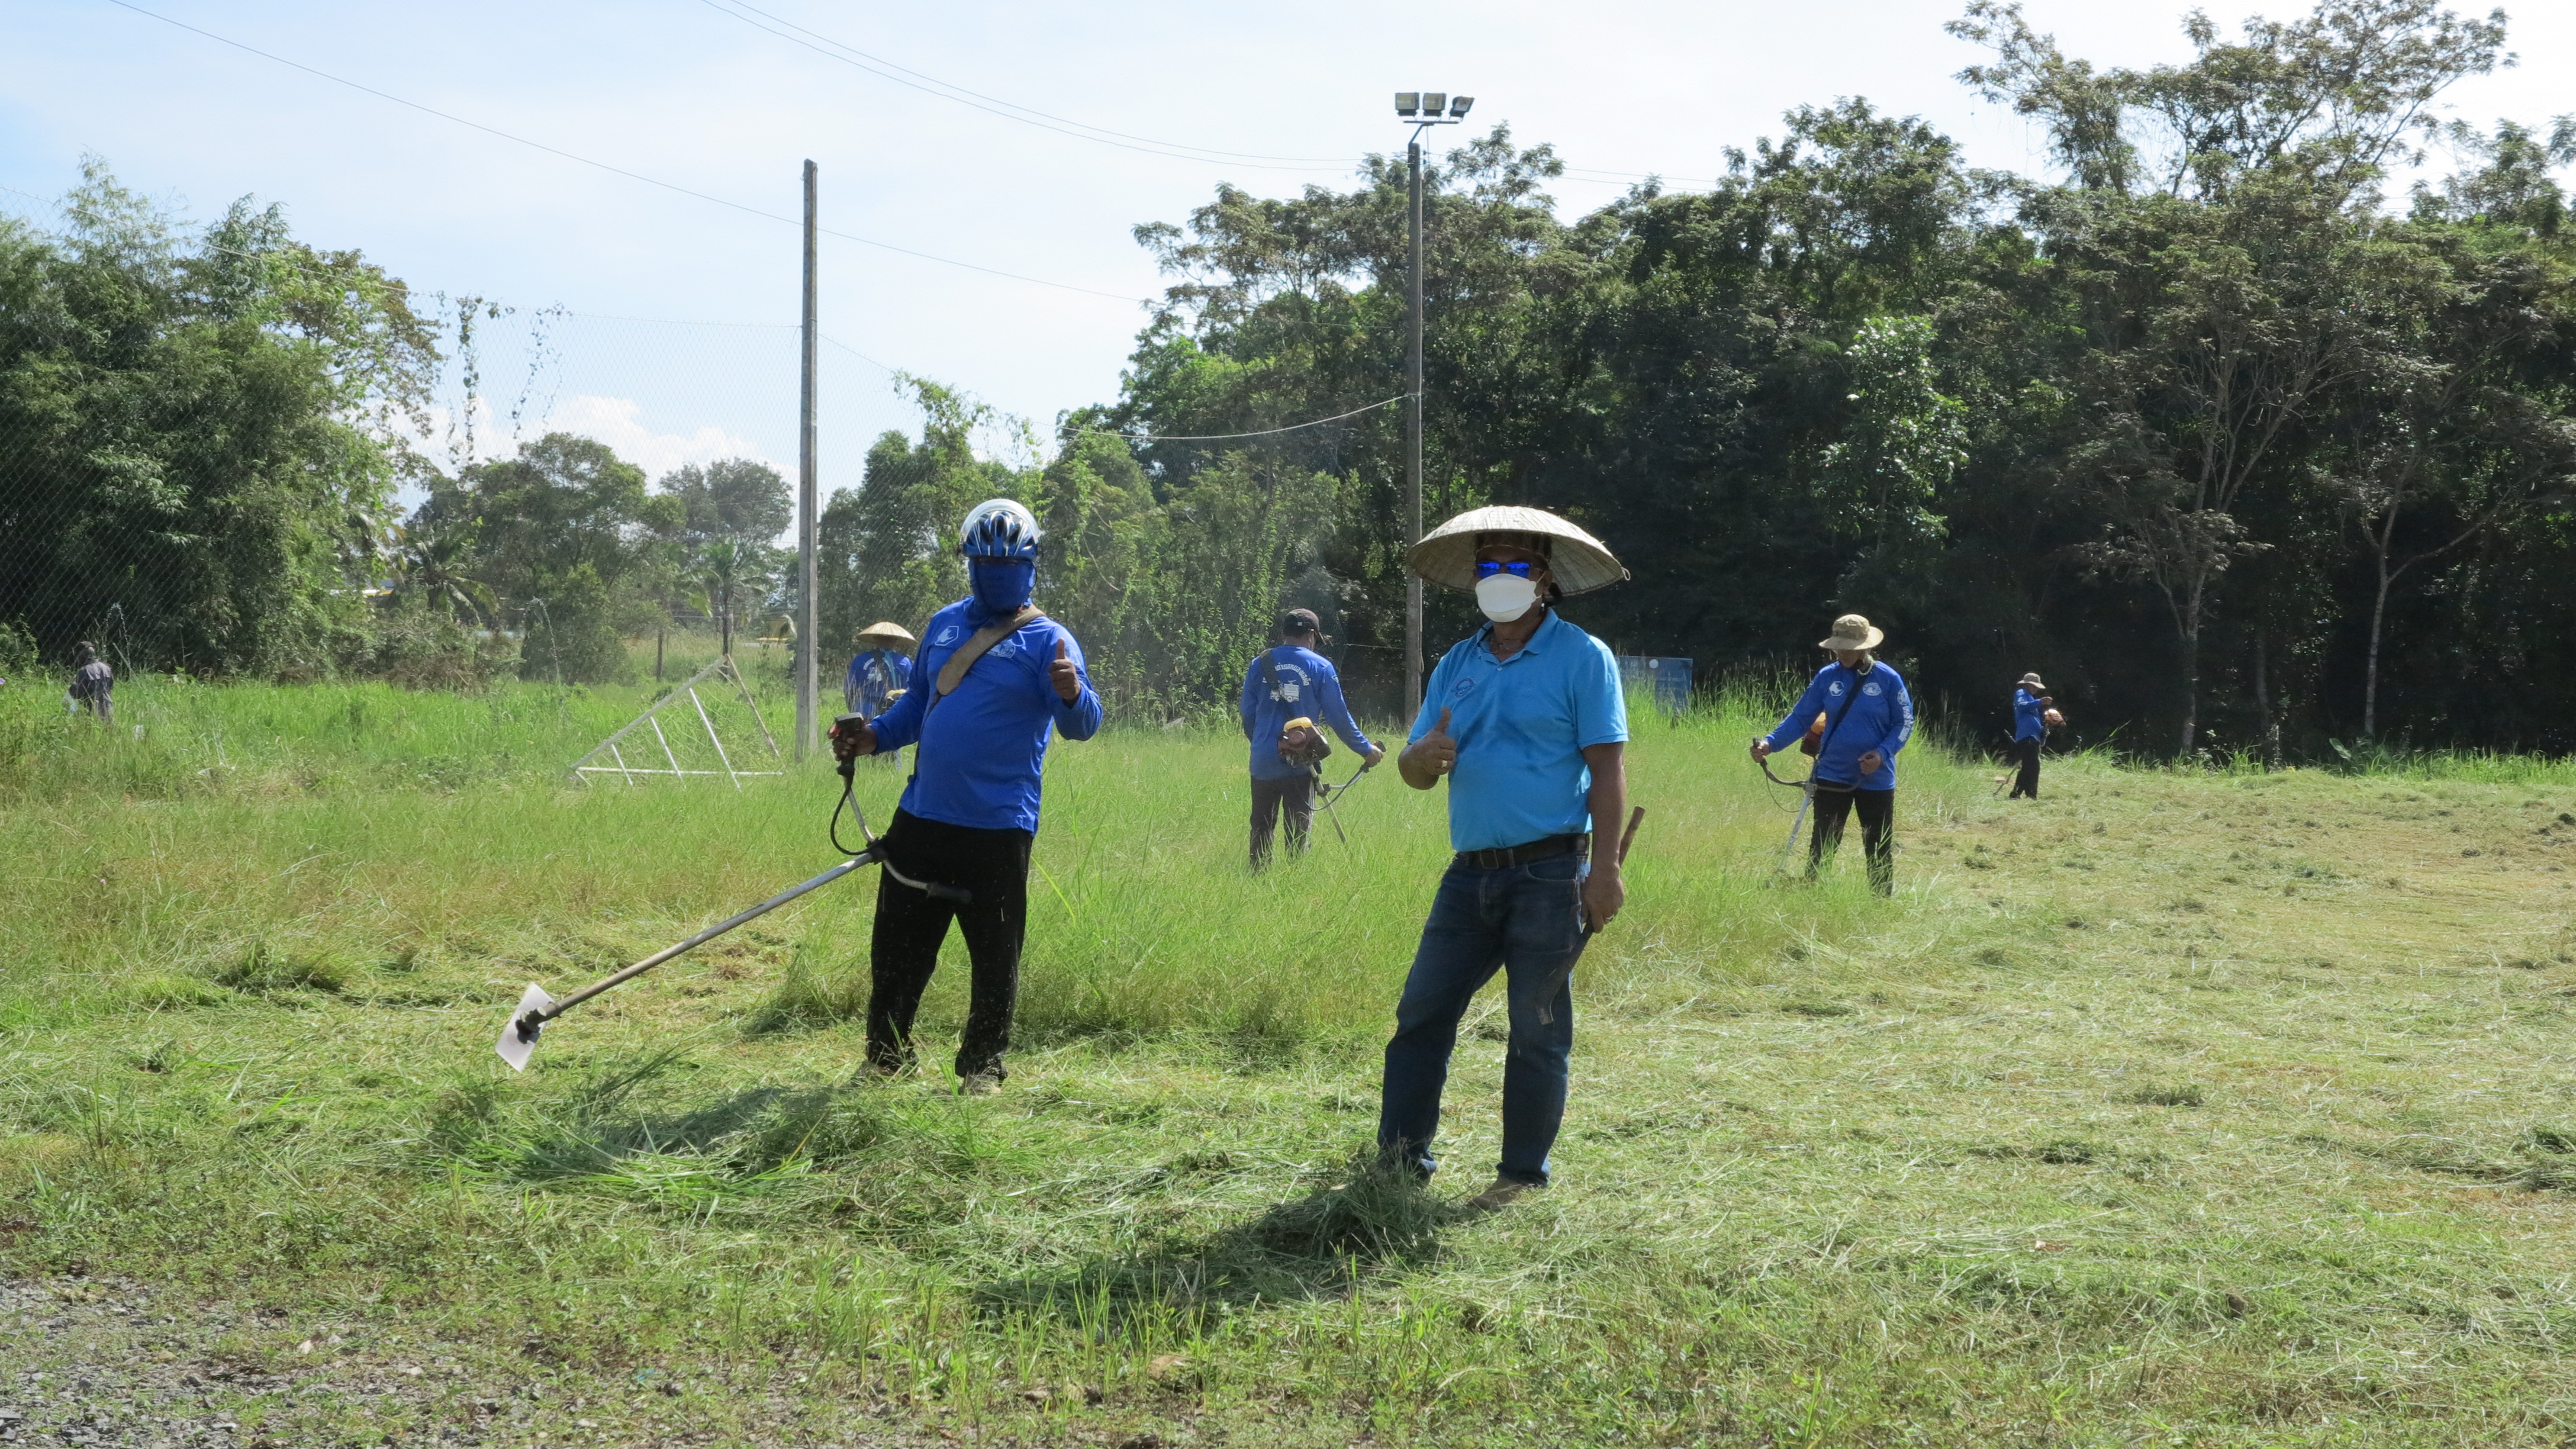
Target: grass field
2178,1108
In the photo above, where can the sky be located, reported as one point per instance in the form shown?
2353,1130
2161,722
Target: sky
662,322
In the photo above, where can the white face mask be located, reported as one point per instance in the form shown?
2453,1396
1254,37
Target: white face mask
1505,597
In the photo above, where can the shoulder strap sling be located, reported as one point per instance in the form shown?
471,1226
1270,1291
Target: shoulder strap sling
952,671
1831,726
1270,670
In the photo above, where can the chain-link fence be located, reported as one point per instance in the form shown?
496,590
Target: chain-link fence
221,451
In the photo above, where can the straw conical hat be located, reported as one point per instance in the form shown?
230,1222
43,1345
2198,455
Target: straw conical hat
884,634
1580,562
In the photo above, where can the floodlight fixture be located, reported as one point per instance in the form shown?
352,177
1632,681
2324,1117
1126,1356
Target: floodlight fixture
1434,102
1408,103
1458,105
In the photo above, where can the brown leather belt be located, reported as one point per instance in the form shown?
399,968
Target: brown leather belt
1504,857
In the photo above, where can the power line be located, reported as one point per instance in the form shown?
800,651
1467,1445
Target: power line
617,170
992,105
1081,130
1225,437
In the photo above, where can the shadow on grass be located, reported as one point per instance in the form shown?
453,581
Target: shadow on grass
1321,1244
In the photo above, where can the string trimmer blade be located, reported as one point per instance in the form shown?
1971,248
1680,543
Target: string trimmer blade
514,1047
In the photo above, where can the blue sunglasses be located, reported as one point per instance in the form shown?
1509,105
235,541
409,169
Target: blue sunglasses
1486,568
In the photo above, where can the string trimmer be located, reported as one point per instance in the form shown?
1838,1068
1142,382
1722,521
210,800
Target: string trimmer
1326,793
536,1008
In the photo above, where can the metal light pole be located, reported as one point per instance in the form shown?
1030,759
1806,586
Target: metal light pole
807,645
1420,109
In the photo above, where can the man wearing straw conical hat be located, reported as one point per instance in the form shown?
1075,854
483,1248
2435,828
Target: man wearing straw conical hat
1526,721
880,671
1867,717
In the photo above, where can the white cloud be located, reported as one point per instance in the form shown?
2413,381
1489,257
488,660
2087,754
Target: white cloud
619,422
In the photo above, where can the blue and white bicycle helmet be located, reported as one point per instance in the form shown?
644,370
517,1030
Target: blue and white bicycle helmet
999,528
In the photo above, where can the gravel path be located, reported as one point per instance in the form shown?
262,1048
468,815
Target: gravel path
109,1362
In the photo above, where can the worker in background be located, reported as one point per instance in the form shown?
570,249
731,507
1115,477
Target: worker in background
880,671
999,679
2034,713
1868,717
1292,685
93,684
1526,721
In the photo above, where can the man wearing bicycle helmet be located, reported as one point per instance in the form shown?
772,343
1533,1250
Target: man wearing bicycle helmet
992,682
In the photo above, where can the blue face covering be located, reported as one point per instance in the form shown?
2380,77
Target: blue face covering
1000,585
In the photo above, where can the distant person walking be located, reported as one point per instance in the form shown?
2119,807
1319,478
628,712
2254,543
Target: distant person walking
1867,717
1291,684
1526,721
93,684
880,672
2033,714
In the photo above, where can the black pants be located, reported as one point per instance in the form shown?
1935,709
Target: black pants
2027,782
911,925
1877,832
1297,794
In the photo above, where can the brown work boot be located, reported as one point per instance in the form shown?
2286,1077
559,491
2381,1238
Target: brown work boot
1504,1192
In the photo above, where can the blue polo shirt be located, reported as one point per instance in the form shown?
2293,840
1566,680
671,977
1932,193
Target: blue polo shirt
1522,725
1880,717
982,752
1311,689
2030,717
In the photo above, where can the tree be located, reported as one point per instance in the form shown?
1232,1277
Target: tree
2334,96
737,498
2460,434
433,559
202,436
734,573
1905,440
887,549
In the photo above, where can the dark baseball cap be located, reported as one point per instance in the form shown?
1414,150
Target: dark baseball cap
1300,621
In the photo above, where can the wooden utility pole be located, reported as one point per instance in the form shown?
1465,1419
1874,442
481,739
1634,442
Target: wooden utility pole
807,644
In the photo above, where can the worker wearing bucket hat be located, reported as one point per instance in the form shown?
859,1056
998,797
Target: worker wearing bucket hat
1526,721
2033,712
1868,716
880,671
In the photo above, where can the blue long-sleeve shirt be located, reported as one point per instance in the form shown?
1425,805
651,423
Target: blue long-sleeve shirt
1881,718
983,749
1314,691
2030,717
873,678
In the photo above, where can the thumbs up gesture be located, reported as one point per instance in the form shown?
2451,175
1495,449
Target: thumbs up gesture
1063,675
1430,757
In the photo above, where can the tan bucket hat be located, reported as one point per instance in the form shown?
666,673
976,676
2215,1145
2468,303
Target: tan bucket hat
1852,631
1580,562
884,634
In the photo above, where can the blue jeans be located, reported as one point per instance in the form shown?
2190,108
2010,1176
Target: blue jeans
1523,920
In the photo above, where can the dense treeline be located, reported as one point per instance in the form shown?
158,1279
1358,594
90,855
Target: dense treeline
2239,450
197,435
2202,427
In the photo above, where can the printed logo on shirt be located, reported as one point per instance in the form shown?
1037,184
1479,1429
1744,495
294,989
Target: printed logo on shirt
1007,649
947,635
1870,690
1459,690
1834,688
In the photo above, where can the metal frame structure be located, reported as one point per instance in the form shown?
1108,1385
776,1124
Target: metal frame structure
583,769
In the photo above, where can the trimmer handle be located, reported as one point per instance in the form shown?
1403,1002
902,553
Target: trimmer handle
848,767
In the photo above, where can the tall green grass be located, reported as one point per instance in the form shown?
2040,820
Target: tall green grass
314,840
